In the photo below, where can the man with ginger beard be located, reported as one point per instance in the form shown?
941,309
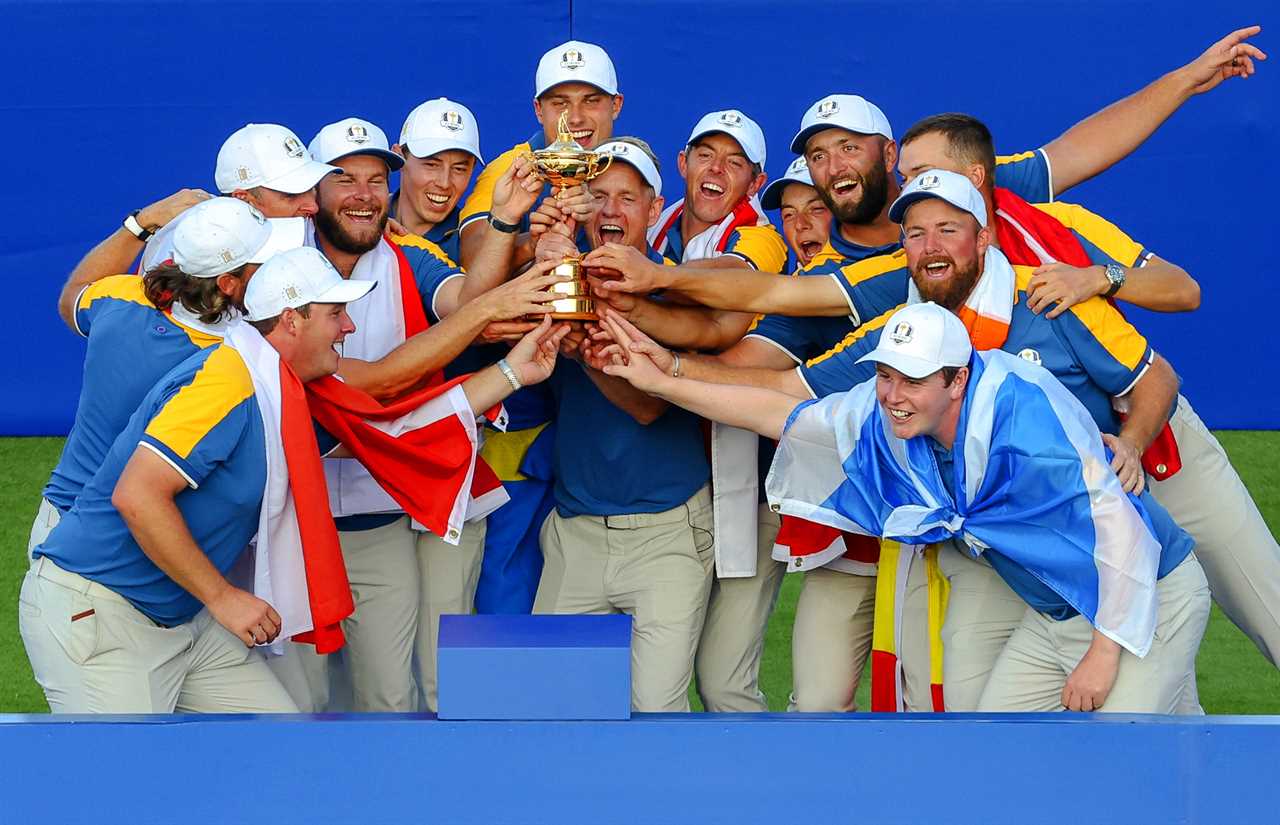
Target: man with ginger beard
386,356
631,531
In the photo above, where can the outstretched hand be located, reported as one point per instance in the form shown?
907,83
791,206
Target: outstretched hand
633,356
534,358
625,268
1229,57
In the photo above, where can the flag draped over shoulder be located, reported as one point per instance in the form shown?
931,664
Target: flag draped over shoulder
1032,480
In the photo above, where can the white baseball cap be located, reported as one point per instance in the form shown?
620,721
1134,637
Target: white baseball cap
850,112
797,172
955,189
635,156
576,62
269,155
920,339
438,126
737,126
296,278
352,136
223,234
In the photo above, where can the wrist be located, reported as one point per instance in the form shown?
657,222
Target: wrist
509,373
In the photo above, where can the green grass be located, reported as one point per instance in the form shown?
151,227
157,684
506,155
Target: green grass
1233,675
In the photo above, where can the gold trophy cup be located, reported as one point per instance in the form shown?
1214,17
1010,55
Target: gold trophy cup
563,164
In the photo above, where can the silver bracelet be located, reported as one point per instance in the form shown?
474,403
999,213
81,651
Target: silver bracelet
510,374
675,369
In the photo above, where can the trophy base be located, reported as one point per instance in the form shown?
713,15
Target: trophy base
577,303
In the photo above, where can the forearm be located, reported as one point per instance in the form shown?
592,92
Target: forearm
478,236
486,388
743,289
491,266
1108,136
764,411
1149,403
711,370
112,256
1160,286
689,327
162,533
640,405
420,355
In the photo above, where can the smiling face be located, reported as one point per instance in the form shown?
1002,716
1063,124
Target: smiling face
806,221
920,406
851,171
430,187
626,207
717,176
314,353
354,203
591,112
945,249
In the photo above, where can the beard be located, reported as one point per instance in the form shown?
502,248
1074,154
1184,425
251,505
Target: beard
949,294
875,194
329,225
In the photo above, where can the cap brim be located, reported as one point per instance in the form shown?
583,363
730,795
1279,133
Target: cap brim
745,151
301,179
286,234
426,147
898,209
393,160
771,197
550,86
908,365
345,292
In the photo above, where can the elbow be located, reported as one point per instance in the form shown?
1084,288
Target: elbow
646,414
1190,296
126,500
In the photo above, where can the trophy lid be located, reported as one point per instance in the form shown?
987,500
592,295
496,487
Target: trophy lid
564,142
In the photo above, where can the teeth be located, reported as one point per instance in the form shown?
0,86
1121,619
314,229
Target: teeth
437,198
899,414
610,227
580,135
719,190
845,183
360,213
936,266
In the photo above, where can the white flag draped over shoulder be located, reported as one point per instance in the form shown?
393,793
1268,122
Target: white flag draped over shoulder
1032,480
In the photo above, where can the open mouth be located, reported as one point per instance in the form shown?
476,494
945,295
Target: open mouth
611,233
361,216
844,186
810,248
438,200
711,190
936,269
899,416
583,135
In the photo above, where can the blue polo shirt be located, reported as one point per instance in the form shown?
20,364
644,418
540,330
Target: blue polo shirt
874,278
131,344
444,234
607,464
1090,348
203,420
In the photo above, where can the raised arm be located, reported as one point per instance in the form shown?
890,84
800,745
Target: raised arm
116,252
1099,141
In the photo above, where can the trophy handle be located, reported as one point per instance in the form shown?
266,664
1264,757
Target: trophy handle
597,171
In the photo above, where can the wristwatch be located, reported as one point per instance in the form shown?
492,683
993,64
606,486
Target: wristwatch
1116,275
503,226
136,229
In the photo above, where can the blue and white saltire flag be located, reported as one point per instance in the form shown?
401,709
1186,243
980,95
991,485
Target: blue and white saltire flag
1032,480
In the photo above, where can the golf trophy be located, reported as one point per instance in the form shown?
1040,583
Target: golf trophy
564,164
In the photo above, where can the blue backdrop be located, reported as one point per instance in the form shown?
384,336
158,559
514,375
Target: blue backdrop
132,100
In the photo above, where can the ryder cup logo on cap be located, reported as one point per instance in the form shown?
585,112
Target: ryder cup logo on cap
955,189
267,155
576,62
296,278
850,112
922,339
438,126
352,136
736,125
637,158
797,172
223,234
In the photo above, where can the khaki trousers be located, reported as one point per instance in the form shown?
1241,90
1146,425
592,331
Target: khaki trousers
1032,670
94,652
447,578
47,518
1239,555
656,567
728,660
982,613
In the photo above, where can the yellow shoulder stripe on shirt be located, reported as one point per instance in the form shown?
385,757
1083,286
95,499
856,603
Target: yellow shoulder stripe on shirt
855,336
1003,159
868,268
220,385
1097,230
763,245
120,287
419,242
481,199
1103,321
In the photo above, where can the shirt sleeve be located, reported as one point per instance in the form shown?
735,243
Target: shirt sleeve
199,422
432,269
1104,242
794,336
837,369
760,246
872,286
480,201
95,297
1107,347
1027,174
